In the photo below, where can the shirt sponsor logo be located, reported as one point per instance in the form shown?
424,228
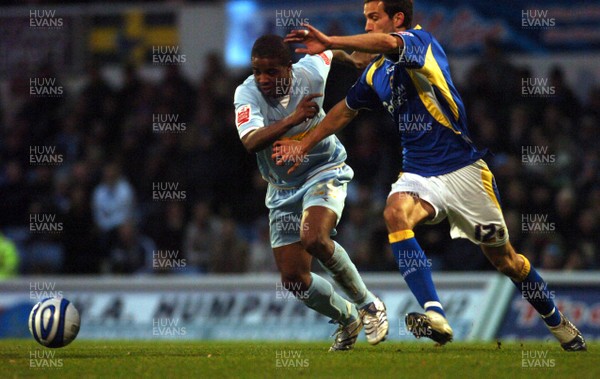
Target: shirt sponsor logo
243,115
325,58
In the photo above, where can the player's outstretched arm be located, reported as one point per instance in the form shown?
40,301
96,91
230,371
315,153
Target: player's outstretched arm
261,138
358,60
290,150
316,41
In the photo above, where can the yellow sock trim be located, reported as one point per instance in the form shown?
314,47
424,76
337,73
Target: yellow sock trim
401,235
526,268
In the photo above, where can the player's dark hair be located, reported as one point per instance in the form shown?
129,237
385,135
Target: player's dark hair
391,7
272,46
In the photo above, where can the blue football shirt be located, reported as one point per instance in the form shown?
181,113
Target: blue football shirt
416,89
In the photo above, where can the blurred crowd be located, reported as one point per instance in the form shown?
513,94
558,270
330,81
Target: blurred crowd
89,184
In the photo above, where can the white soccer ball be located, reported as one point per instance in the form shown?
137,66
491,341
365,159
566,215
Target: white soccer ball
54,322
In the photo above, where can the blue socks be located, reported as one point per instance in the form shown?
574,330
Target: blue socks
415,269
535,290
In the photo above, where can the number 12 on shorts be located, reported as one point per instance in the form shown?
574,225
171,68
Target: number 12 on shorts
485,233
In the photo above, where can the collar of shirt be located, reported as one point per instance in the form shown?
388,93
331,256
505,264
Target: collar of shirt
285,101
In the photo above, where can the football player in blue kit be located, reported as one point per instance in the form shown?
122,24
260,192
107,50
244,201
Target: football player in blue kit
282,100
444,174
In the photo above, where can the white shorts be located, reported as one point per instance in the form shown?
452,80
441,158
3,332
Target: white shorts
468,197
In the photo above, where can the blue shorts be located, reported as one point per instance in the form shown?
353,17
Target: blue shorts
325,189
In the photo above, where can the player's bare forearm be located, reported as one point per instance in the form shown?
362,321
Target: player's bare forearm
290,150
336,119
316,42
261,138
380,43
357,60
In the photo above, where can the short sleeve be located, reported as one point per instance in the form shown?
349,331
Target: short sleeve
318,64
414,51
247,111
361,95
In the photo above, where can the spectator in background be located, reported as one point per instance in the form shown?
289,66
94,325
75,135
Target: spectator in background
40,184
95,95
563,98
41,114
593,106
518,124
230,253
43,253
565,204
356,232
14,195
260,257
201,236
365,153
128,92
177,94
69,140
113,204
552,256
215,83
494,78
79,237
167,228
96,123
588,246
132,252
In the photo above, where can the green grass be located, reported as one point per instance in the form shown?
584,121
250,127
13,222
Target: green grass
153,359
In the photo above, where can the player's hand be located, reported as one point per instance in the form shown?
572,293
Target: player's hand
289,151
316,42
305,110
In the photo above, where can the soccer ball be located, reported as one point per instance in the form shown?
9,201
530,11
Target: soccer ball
54,322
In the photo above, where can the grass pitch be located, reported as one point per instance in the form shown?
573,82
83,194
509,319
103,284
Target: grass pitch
179,359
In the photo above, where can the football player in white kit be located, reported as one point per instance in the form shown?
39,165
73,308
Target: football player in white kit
282,100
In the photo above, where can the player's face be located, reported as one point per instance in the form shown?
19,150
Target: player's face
377,20
271,77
